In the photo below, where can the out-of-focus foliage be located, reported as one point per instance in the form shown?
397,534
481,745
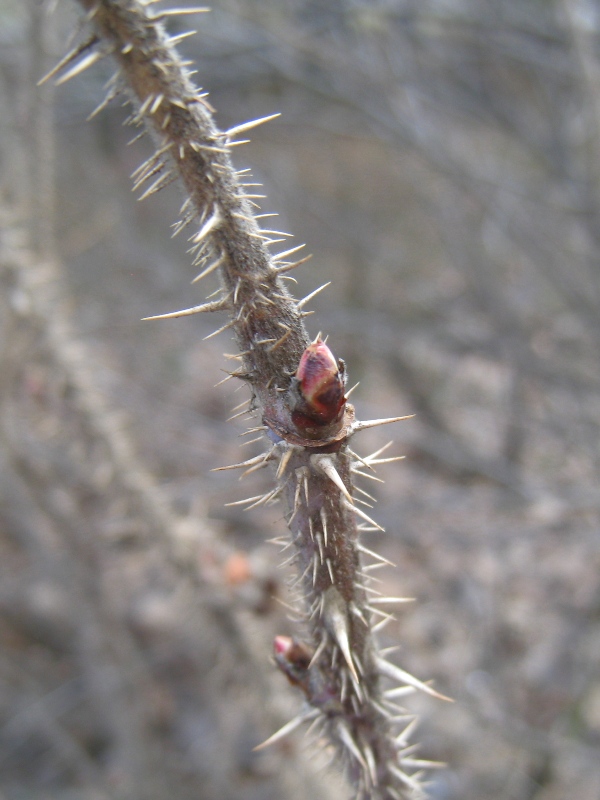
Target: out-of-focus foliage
442,162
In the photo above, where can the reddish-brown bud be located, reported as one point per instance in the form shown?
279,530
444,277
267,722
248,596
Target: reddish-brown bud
320,383
293,659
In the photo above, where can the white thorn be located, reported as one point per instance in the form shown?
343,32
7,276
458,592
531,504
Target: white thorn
156,103
279,256
265,498
160,183
337,624
354,609
305,300
357,471
373,423
173,40
399,691
404,736
175,12
360,513
318,651
366,494
246,500
390,600
349,392
370,759
284,461
81,66
274,233
71,56
326,464
380,451
407,779
323,516
211,268
289,267
349,742
288,728
385,621
210,224
246,126
330,569
386,460
368,568
251,461
397,674
218,305
219,330
423,763
111,94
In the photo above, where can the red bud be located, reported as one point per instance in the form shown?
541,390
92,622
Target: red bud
321,384
292,658
282,645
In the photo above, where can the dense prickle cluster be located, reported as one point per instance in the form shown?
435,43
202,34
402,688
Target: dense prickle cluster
299,389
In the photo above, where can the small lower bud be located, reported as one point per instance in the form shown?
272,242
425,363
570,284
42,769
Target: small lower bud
292,658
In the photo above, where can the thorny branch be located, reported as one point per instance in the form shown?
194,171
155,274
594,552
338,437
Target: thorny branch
297,386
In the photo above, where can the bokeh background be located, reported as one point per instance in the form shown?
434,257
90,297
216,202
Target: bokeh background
441,160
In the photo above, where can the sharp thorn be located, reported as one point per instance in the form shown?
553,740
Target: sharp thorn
326,464
380,451
381,625
246,126
423,763
284,461
383,601
289,267
249,463
110,95
359,512
280,256
208,226
399,691
217,305
330,569
366,475
160,183
374,555
373,423
175,12
396,674
349,392
219,330
408,780
337,624
174,40
309,297
81,66
323,516
288,728
246,500
71,56
280,341
350,744
366,494
211,268
370,759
